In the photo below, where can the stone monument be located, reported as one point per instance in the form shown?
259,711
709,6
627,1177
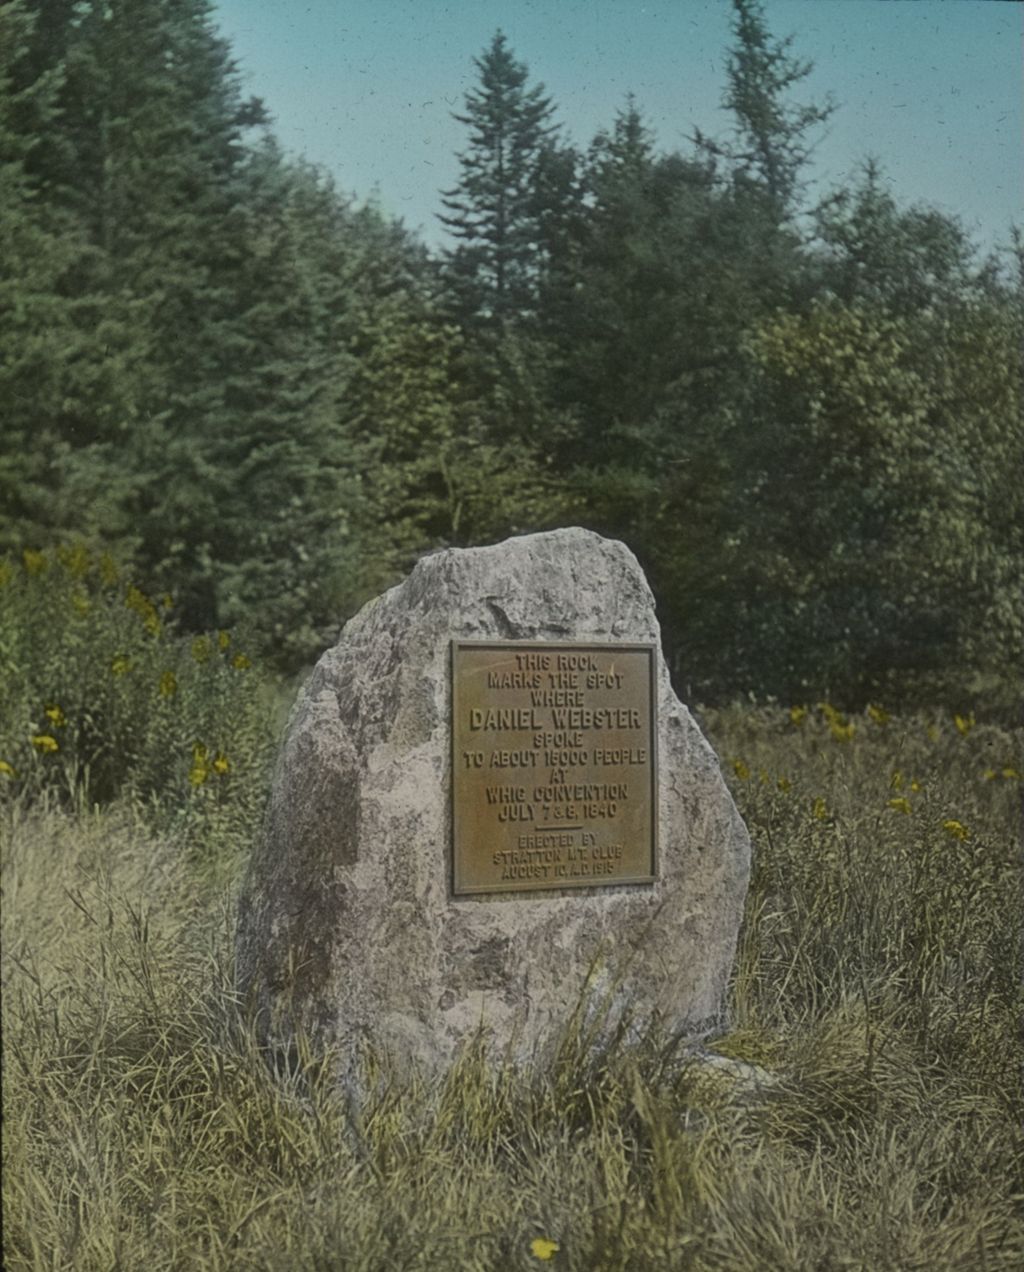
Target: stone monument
489,808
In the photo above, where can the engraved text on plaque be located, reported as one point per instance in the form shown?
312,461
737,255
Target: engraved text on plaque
554,765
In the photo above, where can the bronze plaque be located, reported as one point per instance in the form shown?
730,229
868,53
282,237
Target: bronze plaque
554,765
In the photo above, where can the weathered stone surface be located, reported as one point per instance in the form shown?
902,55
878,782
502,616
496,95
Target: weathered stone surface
347,928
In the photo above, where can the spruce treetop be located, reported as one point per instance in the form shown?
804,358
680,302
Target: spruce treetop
493,208
771,134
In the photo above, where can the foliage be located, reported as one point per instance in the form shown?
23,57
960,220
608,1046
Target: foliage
881,577
621,299
876,539
882,839
494,209
431,451
771,146
804,421
104,700
60,375
258,500
877,992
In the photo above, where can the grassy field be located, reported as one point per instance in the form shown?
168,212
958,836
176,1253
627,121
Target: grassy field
878,984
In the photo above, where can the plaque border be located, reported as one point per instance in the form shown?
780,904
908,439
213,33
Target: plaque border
635,646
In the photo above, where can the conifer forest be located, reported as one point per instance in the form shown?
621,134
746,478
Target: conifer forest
267,401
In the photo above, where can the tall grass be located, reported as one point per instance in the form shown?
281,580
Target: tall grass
877,991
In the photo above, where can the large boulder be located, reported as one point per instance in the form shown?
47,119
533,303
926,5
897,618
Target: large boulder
349,929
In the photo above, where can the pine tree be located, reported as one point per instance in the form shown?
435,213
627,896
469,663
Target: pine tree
494,208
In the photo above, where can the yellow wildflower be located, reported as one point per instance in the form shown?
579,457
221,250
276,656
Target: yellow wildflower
990,775
1011,774
797,715
964,724
820,810
75,560
201,648
957,829
223,640
785,785
8,770
542,1248
896,781
840,731
221,763
829,712
56,716
139,602
200,770
878,714
741,770
915,785
240,662
900,805
45,743
168,684
121,665
109,572
35,562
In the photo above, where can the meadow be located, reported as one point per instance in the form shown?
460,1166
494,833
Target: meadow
872,1119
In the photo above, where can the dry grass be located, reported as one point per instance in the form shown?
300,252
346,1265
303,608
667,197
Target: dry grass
879,979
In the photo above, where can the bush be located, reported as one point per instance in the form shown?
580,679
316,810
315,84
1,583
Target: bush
104,699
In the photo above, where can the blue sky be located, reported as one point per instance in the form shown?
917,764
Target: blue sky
365,88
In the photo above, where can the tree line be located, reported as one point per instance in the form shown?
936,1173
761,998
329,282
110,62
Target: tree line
803,415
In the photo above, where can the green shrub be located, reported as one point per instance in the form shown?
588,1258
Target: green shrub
104,699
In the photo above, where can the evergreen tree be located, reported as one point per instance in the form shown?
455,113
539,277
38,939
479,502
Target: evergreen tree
195,425
56,383
901,260
31,261
134,166
158,122
494,209
255,509
622,315
434,474
771,134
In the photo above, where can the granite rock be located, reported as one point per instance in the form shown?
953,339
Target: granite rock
348,932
